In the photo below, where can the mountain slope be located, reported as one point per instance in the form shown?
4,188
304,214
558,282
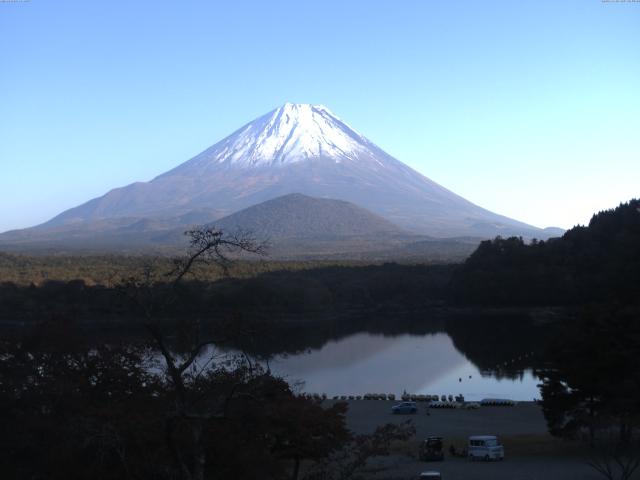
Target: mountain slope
300,227
300,216
294,148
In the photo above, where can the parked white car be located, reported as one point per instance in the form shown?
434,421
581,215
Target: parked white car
431,475
485,447
404,407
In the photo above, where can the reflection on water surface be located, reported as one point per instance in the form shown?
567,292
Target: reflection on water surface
429,364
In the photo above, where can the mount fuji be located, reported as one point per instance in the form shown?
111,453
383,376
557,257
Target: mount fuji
296,148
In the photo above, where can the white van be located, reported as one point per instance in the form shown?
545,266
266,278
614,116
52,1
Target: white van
485,447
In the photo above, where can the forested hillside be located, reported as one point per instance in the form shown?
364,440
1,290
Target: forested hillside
327,290
596,263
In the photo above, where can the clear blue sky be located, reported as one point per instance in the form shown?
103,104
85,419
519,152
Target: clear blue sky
528,108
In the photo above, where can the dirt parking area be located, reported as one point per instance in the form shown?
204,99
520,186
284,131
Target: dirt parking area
523,419
538,467
530,452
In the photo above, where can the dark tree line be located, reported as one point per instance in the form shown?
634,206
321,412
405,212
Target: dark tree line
597,263
593,380
591,388
308,291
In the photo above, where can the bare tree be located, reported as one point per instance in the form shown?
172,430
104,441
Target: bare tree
613,459
153,292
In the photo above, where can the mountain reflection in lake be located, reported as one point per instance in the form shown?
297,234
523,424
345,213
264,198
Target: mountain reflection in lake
373,363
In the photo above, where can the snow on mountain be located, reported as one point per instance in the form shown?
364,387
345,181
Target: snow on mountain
289,134
296,148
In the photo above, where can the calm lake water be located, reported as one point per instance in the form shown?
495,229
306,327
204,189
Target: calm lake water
374,363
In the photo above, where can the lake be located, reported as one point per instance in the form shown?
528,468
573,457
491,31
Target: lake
366,362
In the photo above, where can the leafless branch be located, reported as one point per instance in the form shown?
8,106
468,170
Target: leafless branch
211,246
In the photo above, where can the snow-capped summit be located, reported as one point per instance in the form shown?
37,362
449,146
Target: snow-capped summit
296,148
288,134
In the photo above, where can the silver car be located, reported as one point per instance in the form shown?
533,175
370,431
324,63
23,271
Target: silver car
404,407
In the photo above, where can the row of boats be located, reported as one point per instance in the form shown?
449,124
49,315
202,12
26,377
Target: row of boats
435,401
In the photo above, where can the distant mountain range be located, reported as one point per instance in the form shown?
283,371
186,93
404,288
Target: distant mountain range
295,149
